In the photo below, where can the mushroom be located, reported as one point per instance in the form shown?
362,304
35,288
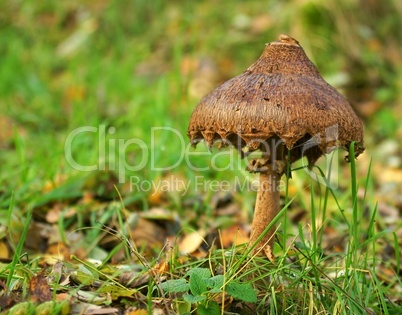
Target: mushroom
282,107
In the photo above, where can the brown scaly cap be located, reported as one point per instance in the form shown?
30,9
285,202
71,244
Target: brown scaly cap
280,96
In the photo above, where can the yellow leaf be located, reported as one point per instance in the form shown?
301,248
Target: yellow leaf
138,312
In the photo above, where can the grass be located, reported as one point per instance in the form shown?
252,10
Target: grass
307,278
124,69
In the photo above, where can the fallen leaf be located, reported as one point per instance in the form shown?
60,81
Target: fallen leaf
161,267
148,233
54,214
158,214
133,279
90,309
4,252
138,312
40,235
58,251
63,297
39,290
8,300
92,297
191,242
116,292
234,235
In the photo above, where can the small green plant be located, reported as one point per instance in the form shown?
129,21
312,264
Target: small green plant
201,289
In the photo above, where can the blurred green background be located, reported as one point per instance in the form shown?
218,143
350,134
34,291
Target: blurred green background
134,65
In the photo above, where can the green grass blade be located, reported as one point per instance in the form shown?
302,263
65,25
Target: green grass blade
21,241
354,196
397,253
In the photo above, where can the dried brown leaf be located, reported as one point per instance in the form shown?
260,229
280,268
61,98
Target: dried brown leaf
4,252
39,290
138,312
54,214
133,279
234,235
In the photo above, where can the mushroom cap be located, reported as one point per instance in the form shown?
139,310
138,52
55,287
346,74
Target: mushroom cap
282,97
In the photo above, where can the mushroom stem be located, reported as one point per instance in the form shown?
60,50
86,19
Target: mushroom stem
266,208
